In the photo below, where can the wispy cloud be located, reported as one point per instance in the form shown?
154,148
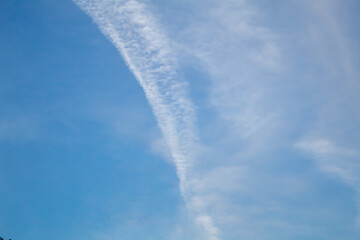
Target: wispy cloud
332,139
335,160
235,52
240,178
329,36
262,103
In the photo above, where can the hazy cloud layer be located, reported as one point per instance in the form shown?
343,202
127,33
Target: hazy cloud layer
277,110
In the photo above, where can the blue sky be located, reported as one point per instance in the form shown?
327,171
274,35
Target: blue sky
204,120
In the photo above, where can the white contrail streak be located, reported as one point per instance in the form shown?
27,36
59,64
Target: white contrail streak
146,50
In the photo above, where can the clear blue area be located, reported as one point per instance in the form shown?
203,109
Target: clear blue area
73,131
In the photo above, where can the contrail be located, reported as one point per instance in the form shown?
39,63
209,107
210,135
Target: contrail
146,50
